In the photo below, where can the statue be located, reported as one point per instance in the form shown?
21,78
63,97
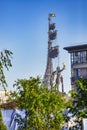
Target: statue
59,78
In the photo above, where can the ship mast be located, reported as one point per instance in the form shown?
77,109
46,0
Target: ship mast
52,52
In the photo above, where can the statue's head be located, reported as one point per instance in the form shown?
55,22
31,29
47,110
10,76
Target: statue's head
58,68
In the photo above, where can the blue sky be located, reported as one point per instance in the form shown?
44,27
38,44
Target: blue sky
23,30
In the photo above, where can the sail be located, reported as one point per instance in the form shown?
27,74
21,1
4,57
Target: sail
52,35
52,26
53,52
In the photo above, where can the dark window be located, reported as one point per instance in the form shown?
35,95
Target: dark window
78,57
78,72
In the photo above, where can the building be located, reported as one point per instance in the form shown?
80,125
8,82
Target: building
78,57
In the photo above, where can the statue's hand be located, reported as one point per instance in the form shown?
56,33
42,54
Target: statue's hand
64,66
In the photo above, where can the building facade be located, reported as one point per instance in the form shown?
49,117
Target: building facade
78,58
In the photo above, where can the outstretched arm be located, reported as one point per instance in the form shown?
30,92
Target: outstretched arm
64,67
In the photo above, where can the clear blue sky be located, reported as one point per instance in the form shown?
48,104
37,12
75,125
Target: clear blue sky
24,27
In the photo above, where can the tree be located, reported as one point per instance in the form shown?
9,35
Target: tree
2,126
5,62
79,100
44,108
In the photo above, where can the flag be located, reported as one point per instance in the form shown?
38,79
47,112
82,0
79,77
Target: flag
52,15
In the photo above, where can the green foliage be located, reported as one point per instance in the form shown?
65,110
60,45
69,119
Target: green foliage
2,126
44,107
5,62
79,99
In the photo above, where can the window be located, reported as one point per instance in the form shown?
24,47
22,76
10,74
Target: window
83,56
78,57
75,57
